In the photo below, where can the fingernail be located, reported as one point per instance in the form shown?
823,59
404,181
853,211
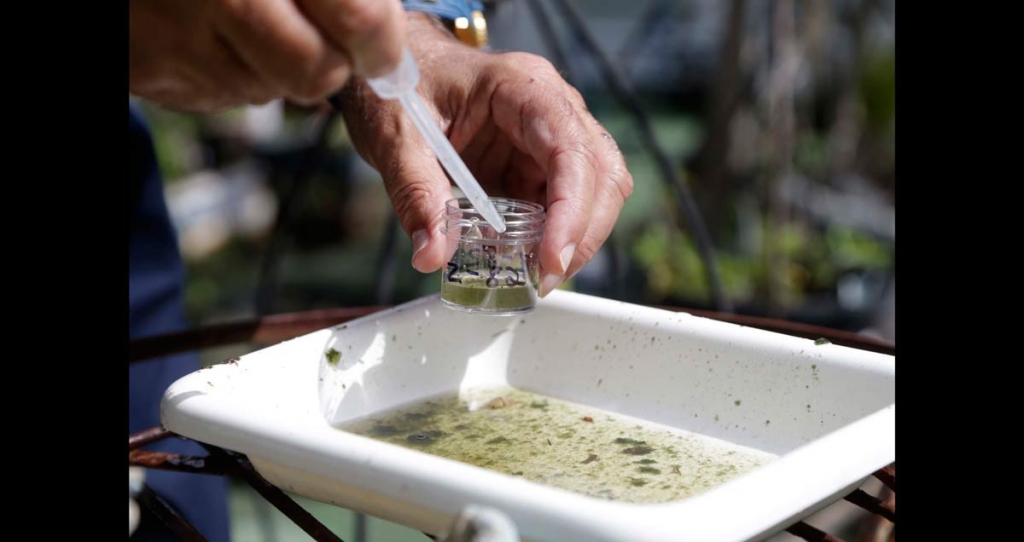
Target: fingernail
565,257
420,240
549,283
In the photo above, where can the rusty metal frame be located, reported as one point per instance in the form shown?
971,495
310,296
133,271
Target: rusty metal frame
272,329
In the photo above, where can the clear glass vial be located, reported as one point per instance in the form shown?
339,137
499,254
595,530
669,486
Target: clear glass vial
490,272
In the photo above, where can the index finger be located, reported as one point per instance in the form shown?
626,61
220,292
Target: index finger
371,32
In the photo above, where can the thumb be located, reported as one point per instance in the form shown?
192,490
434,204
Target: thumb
418,190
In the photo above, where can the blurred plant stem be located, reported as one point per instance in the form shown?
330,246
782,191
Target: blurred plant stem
785,63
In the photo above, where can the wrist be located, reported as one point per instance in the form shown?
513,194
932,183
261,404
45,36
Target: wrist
423,27
462,18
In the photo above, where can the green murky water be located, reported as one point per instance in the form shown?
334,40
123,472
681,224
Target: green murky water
565,445
480,296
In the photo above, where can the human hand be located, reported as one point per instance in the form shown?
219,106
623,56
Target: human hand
521,129
210,55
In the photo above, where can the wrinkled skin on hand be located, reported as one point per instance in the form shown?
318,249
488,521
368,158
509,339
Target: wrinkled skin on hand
521,129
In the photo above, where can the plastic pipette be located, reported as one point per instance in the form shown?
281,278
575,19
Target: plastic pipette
401,85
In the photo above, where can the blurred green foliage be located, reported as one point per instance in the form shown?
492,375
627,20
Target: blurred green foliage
674,270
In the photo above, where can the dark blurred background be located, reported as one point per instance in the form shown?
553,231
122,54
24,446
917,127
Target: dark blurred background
779,117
